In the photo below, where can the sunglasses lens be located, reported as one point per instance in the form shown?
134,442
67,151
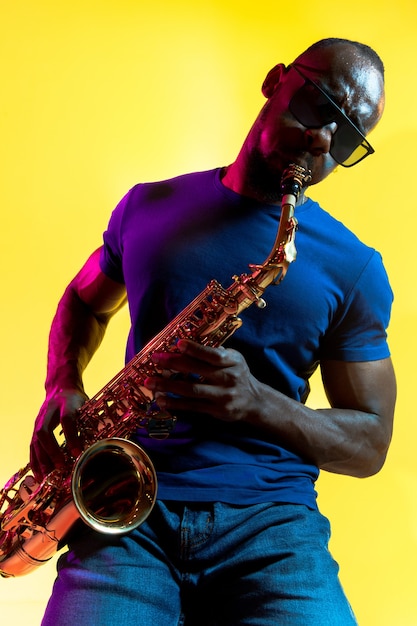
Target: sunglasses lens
357,155
313,108
346,144
310,107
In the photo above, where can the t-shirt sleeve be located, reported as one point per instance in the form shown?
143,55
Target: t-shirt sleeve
359,333
112,252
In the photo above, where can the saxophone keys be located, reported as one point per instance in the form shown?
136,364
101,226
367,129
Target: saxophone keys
28,486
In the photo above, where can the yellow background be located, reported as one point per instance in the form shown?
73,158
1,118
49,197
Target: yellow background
98,95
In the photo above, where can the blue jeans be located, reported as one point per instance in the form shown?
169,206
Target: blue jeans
204,564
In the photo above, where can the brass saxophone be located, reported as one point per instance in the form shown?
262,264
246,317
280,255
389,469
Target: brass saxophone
112,485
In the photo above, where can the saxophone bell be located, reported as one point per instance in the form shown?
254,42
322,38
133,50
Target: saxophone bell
114,485
112,489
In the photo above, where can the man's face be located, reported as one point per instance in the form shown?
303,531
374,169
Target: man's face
280,138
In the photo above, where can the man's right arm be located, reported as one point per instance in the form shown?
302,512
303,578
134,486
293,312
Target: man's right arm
77,330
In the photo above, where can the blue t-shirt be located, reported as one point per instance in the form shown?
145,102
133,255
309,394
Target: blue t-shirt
166,241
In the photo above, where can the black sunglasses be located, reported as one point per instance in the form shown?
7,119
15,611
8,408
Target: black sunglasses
313,108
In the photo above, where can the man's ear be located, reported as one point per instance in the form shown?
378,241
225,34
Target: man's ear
272,80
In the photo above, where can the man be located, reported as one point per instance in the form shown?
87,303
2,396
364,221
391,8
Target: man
235,536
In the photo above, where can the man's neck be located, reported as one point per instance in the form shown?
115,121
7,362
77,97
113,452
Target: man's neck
233,179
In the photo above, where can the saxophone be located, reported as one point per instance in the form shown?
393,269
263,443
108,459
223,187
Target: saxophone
112,485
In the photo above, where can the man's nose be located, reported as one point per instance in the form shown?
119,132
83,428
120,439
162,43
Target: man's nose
319,140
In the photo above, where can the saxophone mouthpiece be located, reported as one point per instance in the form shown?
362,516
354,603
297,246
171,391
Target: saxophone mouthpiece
293,179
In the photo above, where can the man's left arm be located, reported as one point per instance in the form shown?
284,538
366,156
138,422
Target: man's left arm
351,437
362,395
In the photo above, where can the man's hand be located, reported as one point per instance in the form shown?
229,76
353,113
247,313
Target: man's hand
57,410
220,383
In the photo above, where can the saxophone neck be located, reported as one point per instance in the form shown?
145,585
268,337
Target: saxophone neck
283,252
293,180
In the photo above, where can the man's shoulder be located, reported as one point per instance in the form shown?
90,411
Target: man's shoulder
328,227
188,179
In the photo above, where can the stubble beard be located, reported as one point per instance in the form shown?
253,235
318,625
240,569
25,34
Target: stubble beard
262,179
